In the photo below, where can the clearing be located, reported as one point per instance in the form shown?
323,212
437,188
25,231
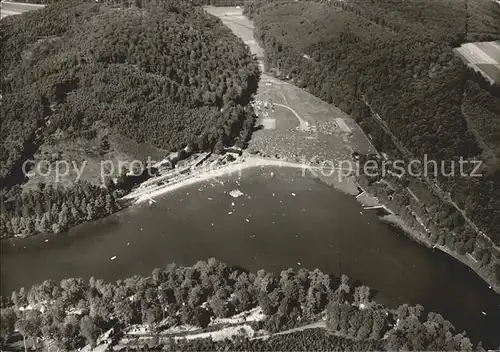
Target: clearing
483,57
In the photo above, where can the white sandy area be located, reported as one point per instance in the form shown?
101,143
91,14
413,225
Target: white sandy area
225,333
251,315
254,314
231,169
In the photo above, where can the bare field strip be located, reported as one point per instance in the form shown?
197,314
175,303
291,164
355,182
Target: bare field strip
483,57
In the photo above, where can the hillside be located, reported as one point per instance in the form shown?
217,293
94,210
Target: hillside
160,75
390,65
88,81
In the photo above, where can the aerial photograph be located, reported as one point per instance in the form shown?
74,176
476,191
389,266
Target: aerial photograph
250,175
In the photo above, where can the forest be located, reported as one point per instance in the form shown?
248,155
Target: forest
165,73
74,312
390,64
164,77
54,210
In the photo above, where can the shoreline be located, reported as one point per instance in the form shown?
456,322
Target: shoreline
344,186
416,236
395,220
140,196
248,162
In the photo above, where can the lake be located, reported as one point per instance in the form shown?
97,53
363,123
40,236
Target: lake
283,221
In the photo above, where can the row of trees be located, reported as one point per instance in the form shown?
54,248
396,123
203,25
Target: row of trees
307,340
54,209
73,310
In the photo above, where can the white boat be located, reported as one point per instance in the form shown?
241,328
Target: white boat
235,193
484,313
113,257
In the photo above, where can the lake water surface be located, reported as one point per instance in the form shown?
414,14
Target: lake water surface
281,222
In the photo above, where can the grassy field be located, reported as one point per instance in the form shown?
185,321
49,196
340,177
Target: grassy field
324,139
16,8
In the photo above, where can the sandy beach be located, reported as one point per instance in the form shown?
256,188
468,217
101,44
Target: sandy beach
142,195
